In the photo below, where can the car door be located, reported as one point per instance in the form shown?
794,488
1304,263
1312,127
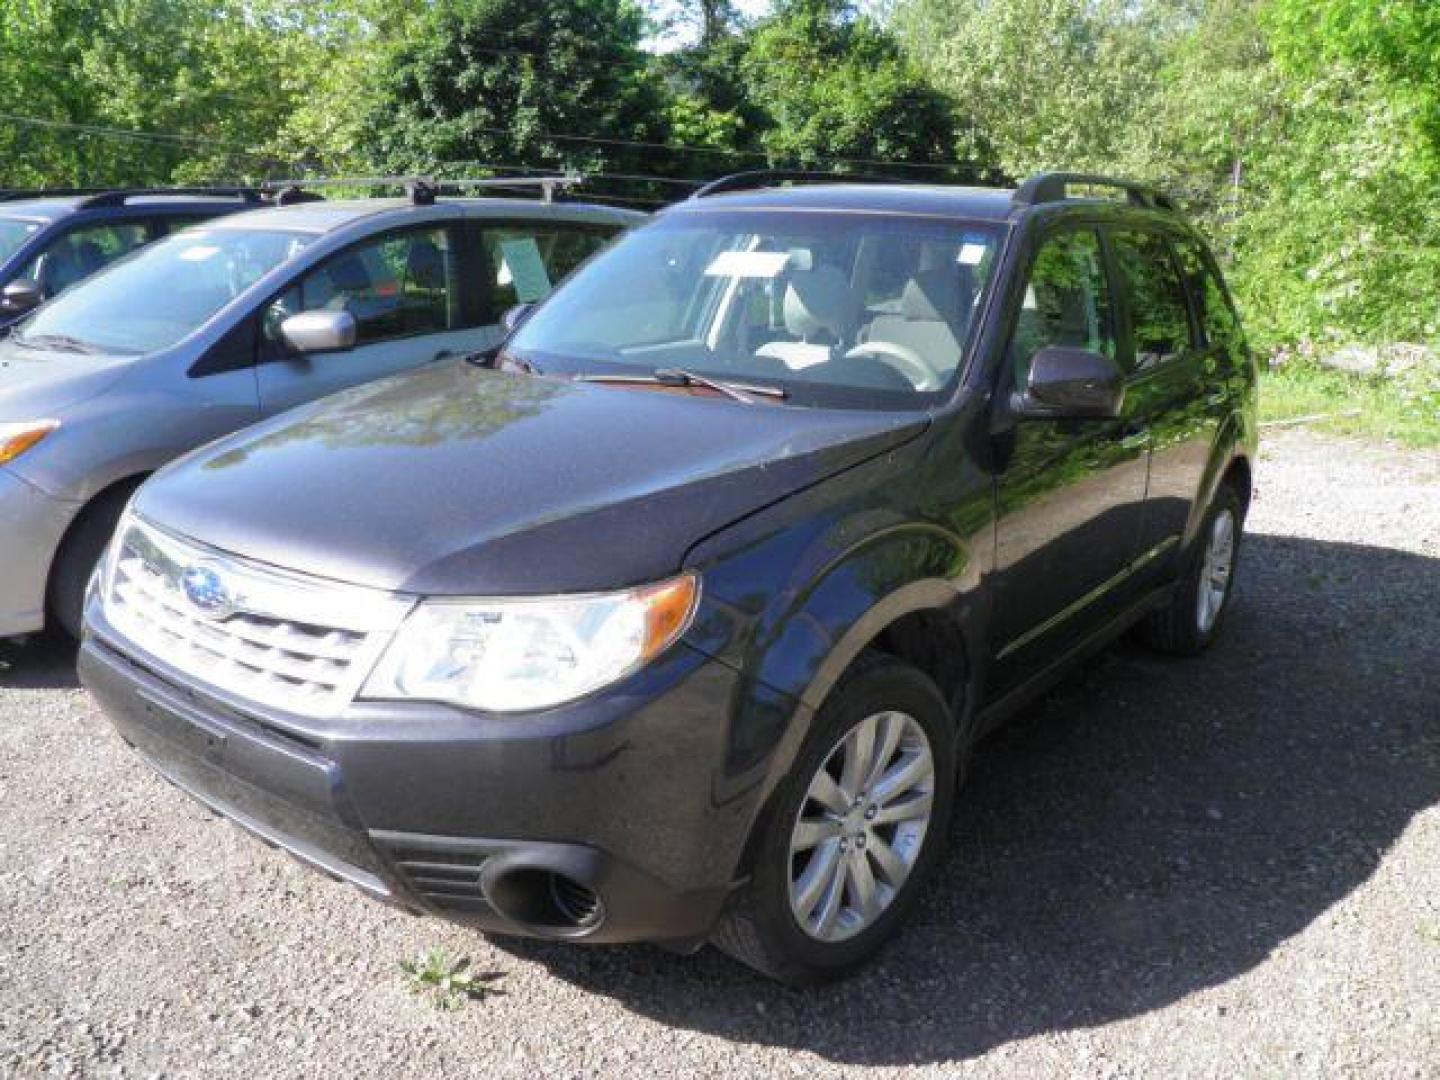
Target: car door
403,290
1172,368
1069,493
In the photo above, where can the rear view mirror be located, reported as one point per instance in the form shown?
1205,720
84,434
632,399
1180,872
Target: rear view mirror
20,296
319,332
511,320
1068,383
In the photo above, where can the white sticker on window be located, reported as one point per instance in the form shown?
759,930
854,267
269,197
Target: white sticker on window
199,253
523,266
748,264
972,254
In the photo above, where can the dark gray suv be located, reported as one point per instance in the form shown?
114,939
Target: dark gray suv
677,617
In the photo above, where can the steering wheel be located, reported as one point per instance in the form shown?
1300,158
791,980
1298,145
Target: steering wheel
902,358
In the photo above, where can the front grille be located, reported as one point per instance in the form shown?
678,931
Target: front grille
272,638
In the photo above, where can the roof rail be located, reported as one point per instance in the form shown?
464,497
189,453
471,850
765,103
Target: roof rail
423,190
15,194
1049,187
759,178
119,196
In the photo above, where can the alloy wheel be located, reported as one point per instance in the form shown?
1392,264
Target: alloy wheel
1215,571
861,826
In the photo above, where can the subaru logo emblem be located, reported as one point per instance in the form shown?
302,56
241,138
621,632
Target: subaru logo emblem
206,591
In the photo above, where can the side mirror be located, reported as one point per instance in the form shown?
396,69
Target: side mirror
319,332
511,320
20,296
1071,384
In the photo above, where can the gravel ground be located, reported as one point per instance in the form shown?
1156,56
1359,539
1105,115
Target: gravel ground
1206,868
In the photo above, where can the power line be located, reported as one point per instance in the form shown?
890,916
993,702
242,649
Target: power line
167,138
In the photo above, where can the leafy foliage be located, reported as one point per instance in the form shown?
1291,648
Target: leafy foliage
509,81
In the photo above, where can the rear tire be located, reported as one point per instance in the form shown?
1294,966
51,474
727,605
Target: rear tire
1192,620
80,553
818,908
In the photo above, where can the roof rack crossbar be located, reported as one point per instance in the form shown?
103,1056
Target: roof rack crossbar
423,190
119,196
1049,187
759,178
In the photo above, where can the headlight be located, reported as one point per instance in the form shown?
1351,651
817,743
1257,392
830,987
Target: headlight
517,655
15,439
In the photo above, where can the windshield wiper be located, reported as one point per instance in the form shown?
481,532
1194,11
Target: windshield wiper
742,392
58,342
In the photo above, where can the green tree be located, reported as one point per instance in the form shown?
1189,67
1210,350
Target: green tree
1044,83
519,82
834,83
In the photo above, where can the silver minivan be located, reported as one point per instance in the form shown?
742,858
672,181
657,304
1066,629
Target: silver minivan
224,324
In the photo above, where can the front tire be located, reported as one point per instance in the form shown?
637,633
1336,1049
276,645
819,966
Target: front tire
854,833
80,553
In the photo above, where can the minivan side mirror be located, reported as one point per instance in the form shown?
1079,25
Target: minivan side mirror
1071,384
513,317
319,332
20,296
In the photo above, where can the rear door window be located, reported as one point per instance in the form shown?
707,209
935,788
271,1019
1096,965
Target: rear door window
1218,321
1155,295
522,262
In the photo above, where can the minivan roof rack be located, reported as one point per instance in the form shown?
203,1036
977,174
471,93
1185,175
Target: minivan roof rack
759,178
120,196
423,190
16,194
1050,187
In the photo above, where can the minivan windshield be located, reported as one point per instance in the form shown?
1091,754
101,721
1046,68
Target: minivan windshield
13,234
161,294
836,309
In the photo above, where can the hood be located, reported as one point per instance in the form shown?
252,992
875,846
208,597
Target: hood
455,480
40,384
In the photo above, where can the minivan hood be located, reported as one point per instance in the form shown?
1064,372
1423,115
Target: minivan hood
456,480
38,384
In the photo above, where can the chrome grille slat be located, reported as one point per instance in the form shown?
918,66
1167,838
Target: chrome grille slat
297,643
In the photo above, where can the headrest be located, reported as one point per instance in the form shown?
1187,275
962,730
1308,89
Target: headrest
932,296
821,300
425,266
348,274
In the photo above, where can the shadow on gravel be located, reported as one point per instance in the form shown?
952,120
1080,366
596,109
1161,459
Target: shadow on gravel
46,662
1152,828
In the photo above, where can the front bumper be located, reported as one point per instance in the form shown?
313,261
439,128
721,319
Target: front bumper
469,817
32,524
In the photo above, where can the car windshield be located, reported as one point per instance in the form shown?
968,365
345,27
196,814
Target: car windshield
837,309
162,293
13,234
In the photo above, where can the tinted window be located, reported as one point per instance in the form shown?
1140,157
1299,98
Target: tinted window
525,262
1066,303
1212,303
1159,319
396,286
81,252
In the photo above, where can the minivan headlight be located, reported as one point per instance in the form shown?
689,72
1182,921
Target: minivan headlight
517,655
